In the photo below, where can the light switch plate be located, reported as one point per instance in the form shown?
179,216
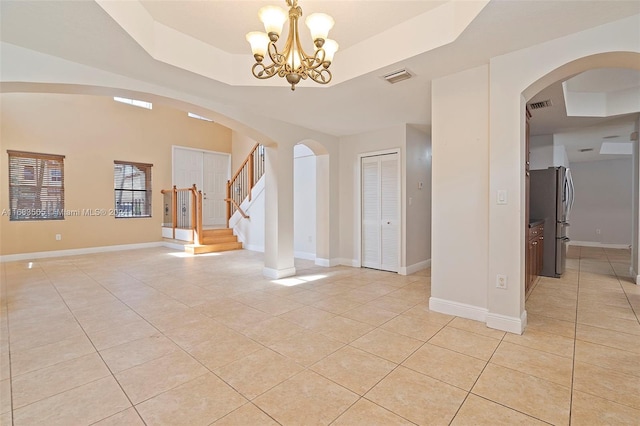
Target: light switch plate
502,196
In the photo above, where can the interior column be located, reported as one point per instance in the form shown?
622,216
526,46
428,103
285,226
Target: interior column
278,245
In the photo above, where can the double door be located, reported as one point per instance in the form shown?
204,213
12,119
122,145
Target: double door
380,211
209,171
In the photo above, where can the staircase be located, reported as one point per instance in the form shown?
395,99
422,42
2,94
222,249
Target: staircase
215,240
182,216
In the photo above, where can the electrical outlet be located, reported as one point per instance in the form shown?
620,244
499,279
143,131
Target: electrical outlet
598,232
501,281
58,237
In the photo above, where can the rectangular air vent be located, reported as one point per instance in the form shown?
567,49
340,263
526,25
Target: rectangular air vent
541,104
397,76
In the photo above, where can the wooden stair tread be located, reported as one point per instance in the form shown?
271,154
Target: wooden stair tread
219,239
212,248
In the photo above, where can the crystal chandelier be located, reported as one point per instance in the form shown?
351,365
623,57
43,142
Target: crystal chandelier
292,62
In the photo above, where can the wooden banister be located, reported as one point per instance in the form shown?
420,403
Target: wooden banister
242,213
191,218
241,184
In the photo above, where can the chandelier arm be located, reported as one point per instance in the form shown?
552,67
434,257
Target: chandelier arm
315,61
322,77
278,59
263,72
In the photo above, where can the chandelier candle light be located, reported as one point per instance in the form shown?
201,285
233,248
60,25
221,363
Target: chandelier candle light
292,63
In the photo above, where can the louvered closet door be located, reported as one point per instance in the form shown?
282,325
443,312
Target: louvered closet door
380,212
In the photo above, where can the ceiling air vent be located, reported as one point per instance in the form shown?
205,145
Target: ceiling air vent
397,76
586,150
541,104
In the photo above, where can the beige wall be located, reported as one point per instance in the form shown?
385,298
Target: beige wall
91,132
460,193
242,145
418,200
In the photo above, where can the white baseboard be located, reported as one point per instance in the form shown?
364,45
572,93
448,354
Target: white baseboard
276,274
458,309
599,245
412,269
327,263
253,247
76,252
634,273
348,262
510,324
304,255
174,246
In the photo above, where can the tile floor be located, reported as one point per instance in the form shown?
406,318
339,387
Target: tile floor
155,337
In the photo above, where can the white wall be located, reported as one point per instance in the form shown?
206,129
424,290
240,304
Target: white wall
460,229
603,191
304,202
547,151
517,77
418,202
541,149
251,231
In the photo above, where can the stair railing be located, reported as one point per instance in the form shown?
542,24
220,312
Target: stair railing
183,210
240,185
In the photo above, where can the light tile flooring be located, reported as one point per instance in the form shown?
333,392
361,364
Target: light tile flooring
154,337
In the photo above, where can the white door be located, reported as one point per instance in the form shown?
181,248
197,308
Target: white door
381,212
216,174
209,171
187,168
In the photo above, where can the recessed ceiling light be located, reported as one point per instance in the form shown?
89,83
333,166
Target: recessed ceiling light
616,148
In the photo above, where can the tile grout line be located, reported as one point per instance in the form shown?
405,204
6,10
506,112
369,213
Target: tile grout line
94,346
5,290
626,295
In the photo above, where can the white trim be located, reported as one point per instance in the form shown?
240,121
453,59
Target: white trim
327,263
185,235
601,245
304,255
276,274
174,246
253,247
510,324
349,262
358,196
634,273
412,269
76,252
167,232
458,309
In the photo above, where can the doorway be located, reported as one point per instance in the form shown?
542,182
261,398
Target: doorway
209,171
380,211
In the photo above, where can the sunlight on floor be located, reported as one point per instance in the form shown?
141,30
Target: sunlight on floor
290,282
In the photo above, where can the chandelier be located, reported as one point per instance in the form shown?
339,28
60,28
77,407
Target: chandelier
292,63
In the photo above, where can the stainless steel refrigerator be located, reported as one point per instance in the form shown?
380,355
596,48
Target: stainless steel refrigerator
550,199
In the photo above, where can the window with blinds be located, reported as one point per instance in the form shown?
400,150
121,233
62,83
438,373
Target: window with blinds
36,186
132,184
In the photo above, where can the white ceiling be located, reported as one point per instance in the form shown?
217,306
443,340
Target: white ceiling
82,32
223,24
578,133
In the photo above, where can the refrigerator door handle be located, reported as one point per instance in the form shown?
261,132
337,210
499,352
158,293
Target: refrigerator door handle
571,190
